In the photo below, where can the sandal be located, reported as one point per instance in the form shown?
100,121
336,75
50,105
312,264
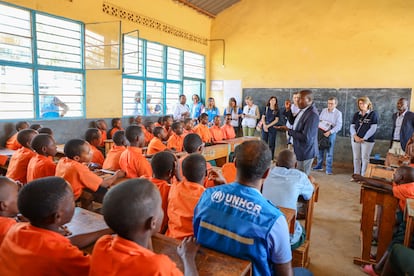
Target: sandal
369,269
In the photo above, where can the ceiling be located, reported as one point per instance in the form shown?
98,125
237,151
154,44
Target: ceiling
208,7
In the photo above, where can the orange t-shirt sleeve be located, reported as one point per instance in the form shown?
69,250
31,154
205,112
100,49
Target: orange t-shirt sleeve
12,143
155,146
5,224
88,179
97,156
229,172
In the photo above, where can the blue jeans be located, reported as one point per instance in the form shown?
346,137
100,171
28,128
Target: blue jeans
329,154
270,138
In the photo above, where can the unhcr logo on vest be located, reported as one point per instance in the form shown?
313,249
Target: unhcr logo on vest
237,202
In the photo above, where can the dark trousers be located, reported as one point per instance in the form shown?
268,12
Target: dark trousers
270,138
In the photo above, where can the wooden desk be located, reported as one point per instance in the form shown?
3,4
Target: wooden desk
237,141
380,172
209,262
216,151
409,214
290,215
108,145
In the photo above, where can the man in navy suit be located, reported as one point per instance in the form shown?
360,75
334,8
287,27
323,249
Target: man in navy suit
304,130
403,127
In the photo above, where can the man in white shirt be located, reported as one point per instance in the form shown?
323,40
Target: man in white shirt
182,110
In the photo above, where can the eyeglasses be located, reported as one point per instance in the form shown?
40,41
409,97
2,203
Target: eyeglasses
228,119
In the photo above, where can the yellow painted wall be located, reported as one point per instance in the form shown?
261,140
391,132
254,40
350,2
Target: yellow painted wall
317,43
104,87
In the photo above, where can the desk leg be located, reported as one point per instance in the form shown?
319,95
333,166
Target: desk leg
408,231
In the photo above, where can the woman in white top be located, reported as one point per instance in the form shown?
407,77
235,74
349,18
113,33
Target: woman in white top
250,115
235,113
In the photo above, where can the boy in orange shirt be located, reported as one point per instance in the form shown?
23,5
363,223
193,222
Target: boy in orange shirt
116,125
228,129
156,144
74,170
12,142
132,161
19,161
184,197
202,129
167,121
93,137
176,140
148,129
112,158
8,205
103,128
42,164
229,172
216,131
133,210
188,126
38,247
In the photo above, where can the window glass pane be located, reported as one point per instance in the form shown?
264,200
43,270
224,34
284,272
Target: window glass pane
174,64
132,97
58,91
155,65
154,97
59,42
173,91
194,65
133,62
15,34
16,93
192,87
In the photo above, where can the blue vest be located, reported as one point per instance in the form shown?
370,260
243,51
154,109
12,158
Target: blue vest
236,220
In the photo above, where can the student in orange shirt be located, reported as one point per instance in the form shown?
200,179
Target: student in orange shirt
133,210
112,158
176,140
38,247
132,161
216,131
12,142
159,122
45,130
42,164
202,129
116,125
228,129
93,137
156,144
229,172
74,170
8,205
164,168
167,122
19,161
184,197
188,126
103,128
148,129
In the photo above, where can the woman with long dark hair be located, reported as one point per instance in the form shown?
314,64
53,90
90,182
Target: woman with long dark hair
270,118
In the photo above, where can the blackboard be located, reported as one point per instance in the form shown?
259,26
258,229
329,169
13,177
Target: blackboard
384,101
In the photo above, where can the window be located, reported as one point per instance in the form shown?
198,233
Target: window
41,67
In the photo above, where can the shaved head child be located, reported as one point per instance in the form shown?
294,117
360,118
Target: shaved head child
148,128
156,144
176,140
38,247
12,143
19,161
112,157
216,132
133,210
202,129
103,127
116,126
42,164
93,136
8,205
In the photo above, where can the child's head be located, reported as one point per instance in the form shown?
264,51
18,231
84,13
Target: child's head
44,144
45,130
404,174
133,208
25,137
167,121
188,123
101,124
203,118
135,136
138,120
47,202
163,165
217,120
195,168
22,125
119,138
8,197
149,126
35,126
286,159
177,127
192,143
228,119
93,136
78,150
159,133
252,160
116,123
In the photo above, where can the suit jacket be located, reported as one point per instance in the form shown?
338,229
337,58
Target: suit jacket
305,137
407,128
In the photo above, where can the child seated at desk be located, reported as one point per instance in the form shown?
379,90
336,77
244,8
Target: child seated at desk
38,247
202,129
188,126
176,140
42,163
148,129
132,161
12,142
8,205
156,144
167,121
228,129
74,170
112,157
103,128
216,131
116,125
19,161
93,137
133,210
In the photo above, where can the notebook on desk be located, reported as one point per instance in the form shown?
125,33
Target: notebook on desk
85,222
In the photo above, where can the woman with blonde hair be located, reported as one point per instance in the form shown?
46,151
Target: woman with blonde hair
250,115
235,113
363,127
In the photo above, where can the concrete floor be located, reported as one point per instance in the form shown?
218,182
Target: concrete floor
336,222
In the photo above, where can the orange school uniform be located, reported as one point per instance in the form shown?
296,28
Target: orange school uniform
203,132
148,135
113,130
134,164
5,225
155,145
116,256
185,132
103,138
112,158
19,161
40,166
229,172
216,133
29,250
176,142
228,132
181,203
402,192
12,143
207,183
164,188
97,156
78,176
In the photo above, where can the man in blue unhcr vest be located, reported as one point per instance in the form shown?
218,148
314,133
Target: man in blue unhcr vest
237,220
